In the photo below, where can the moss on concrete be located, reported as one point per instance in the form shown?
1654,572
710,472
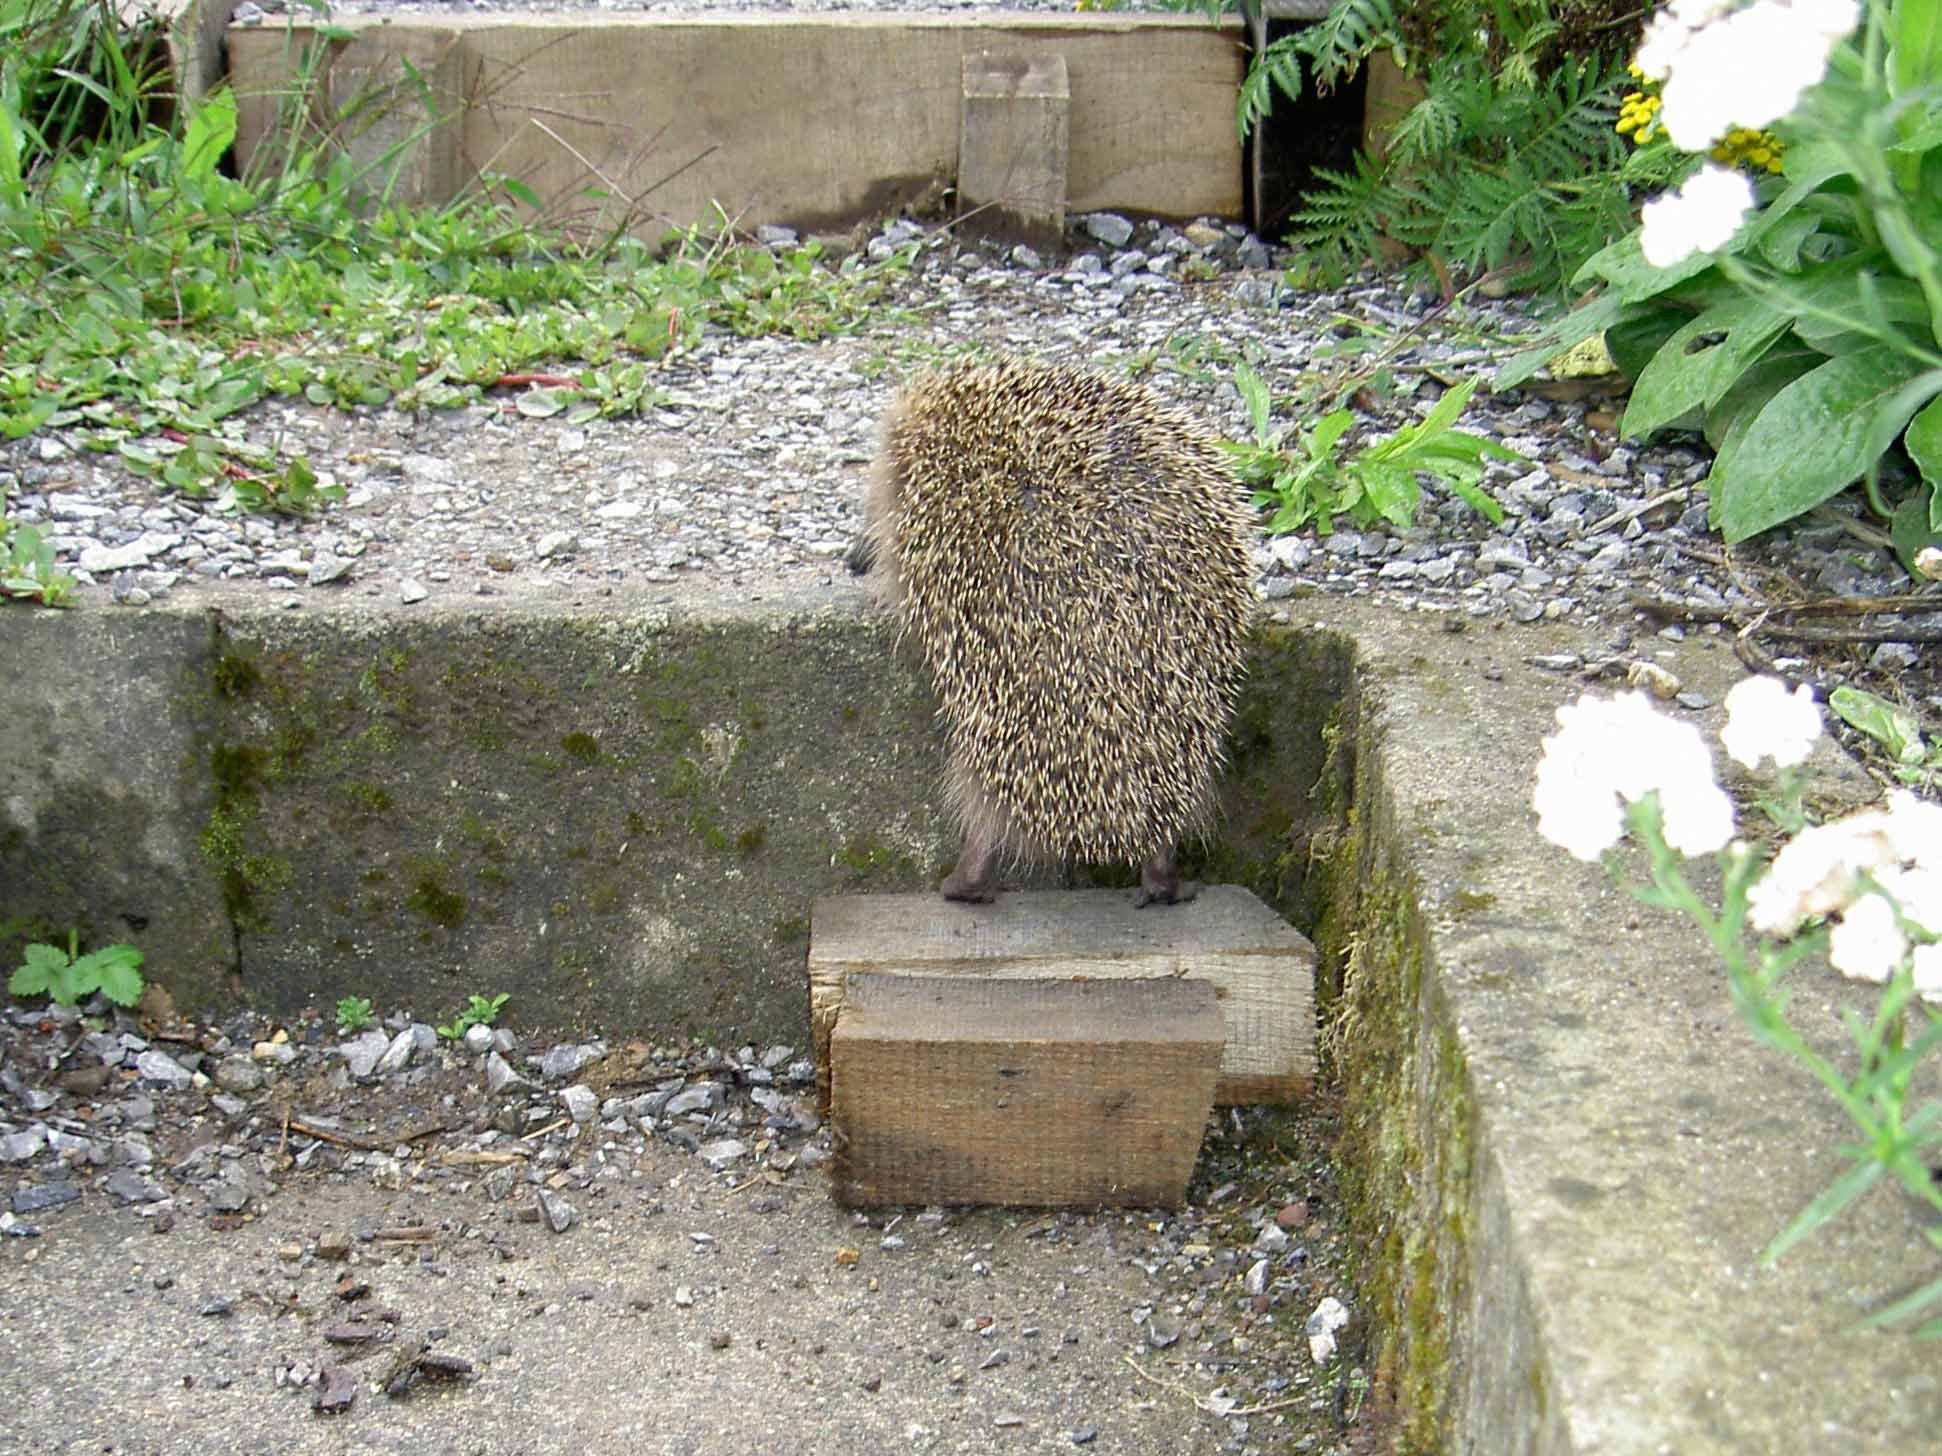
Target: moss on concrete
1407,1157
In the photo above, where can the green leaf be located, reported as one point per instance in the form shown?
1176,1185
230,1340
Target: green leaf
1890,725
1837,1196
1736,409
211,129
1699,363
1254,394
1923,442
1633,280
44,972
1809,442
1915,54
1634,340
113,970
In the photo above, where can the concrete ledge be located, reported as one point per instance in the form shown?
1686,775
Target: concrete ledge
1564,1154
812,121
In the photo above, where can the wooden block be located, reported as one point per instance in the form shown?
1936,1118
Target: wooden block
959,1089
1262,968
1013,142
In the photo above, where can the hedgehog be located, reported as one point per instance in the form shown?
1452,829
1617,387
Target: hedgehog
1071,556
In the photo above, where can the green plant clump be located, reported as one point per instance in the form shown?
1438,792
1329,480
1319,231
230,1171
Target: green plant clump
353,1013
147,296
479,1011
68,977
1807,347
27,570
1310,483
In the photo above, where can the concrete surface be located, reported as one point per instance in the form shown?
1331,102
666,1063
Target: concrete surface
1564,1152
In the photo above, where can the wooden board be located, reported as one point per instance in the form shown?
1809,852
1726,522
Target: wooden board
815,121
1262,969
956,1089
1014,139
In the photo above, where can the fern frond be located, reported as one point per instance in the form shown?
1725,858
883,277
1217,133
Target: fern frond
1345,213
1339,43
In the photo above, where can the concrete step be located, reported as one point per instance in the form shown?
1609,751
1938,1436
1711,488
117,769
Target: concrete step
1565,1153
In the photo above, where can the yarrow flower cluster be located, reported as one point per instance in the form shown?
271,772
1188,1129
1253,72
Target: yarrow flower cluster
1747,67
1764,720
1849,869
1876,876
1609,752
1726,74
1697,218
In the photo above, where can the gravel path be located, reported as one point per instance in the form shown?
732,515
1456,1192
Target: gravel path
751,474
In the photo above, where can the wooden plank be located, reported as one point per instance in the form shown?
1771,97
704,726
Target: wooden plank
813,121
953,1089
1262,968
1013,146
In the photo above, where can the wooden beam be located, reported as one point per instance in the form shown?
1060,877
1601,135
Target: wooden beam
1262,969
957,1089
815,121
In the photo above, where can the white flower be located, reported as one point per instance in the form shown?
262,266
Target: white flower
1928,972
1608,750
1915,829
1747,68
1763,720
1867,944
1701,216
1698,817
1815,872
1928,562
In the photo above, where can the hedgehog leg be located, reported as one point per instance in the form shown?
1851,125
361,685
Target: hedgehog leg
1160,883
976,869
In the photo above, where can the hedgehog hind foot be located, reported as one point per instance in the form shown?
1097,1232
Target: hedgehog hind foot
975,880
1160,883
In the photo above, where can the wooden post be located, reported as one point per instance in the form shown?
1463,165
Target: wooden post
1013,146
960,1089
1262,969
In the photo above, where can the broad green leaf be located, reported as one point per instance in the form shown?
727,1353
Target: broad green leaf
1923,442
1328,429
1808,443
1623,265
1699,363
114,971
1832,300
1735,410
1893,727
43,972
211,129
1915,54
1642,332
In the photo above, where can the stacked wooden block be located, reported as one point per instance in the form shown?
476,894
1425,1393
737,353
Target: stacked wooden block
1052,1049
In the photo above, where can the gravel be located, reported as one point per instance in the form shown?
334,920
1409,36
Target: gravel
750,476
430,1205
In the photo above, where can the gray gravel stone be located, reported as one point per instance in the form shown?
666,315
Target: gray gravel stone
163,1070
363,1052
